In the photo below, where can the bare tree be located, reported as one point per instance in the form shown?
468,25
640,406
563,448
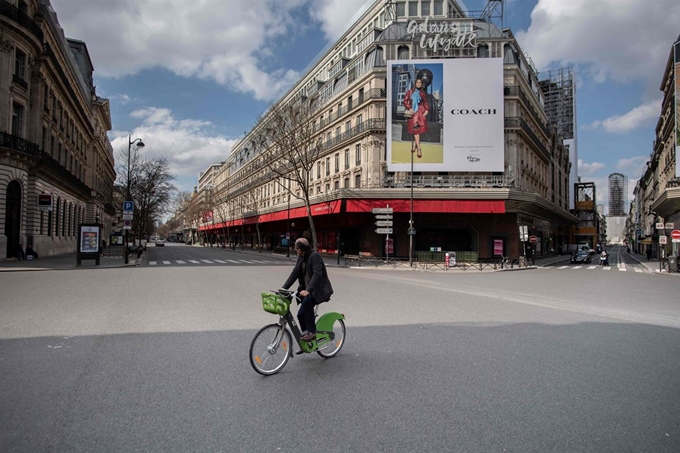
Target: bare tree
251,206
152,192
290,144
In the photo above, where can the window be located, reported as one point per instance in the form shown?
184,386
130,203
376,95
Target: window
43,144
46,98
17,119
328,188
52,146
401,9
58,212
425,8
337,162
357,181
438,7
412,8
318,170
337,131
20,64
346,185
348,126
346,159
359,120
328,166
336,184
357,155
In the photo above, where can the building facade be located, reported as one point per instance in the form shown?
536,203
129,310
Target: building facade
53,142
657,192
618,195
479,212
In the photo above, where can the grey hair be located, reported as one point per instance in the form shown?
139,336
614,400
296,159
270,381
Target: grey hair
302,244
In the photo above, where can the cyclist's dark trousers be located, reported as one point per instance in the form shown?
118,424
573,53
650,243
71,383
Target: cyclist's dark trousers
306,314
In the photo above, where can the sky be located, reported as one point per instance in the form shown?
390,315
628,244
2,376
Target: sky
191,78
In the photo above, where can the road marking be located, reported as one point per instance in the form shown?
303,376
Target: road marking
233,261
152,263
638,270
194,261
208,261
221,262
167,262
592,267
563,267
607,268
248,262
577,267
179,261
623,269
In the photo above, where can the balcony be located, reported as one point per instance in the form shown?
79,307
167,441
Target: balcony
18,80
400,180
15,14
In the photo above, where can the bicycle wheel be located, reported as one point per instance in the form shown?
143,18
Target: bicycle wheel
270,349
331,348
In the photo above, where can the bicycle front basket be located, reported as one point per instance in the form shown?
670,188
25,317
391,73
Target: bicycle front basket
273,303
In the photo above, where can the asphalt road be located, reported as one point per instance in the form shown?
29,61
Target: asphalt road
155,358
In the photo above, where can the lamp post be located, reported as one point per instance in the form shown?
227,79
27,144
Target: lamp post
140,144
288,228
411,230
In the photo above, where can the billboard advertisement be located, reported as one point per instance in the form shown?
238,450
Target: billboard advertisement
445,115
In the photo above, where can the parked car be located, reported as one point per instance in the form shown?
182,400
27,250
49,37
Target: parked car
581,256
160,242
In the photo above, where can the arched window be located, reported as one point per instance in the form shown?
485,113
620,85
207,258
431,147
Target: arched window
403,53
63,219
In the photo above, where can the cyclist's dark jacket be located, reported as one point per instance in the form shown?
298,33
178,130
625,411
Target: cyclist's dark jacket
314,279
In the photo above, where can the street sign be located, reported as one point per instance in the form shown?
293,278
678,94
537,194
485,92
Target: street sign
659,226
533,239
384,230
44,202
382,210
127,224
383,216
663,240
669,226
127,216
128,205
675,234
383,223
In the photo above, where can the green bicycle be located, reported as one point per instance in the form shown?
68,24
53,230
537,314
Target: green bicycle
271,347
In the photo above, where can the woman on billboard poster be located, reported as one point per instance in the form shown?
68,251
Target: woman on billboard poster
417,107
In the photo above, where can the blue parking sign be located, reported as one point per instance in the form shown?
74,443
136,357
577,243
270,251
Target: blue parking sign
128,205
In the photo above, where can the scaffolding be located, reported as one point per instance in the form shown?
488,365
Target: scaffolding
618,190
558,89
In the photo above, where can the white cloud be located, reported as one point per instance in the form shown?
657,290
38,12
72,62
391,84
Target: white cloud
228,41
335,15
638,117
621,40
589,169
634,164
188,144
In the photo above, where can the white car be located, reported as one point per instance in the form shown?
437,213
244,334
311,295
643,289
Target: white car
160,242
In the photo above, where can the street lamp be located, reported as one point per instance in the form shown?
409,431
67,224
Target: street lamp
140,144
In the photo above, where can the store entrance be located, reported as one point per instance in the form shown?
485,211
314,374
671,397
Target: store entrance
459,240
13,218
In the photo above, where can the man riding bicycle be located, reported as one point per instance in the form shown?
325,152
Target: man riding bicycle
315,287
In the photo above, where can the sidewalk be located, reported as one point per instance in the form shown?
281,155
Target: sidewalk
65,261
652,265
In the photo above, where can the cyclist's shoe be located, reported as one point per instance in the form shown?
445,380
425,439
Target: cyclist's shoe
309,336
299,351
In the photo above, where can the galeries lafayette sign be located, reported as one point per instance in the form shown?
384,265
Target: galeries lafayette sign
433,35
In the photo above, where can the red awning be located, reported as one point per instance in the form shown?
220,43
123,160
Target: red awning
442,206
331,207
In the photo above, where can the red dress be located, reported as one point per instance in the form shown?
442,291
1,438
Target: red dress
419,116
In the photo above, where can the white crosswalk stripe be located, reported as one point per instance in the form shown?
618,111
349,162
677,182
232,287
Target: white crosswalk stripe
563,267
221,262
638,270
207,261
623,269
167,262
152,263
592,267
194,261
233,261
607,268
179,261
215,261
577,267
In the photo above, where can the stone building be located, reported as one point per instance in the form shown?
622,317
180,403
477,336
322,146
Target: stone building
477,212
53,126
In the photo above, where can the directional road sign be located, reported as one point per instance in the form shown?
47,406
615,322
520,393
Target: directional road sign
382,210
383,223
383,216
384,230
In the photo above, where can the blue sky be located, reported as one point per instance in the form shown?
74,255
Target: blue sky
190,78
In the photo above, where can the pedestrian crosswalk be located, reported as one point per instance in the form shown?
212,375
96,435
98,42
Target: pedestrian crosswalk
603,268
214,261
